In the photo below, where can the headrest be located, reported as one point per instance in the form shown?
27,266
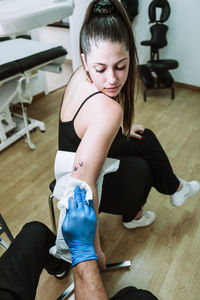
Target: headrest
164,5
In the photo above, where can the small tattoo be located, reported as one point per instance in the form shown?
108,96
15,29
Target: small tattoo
76,168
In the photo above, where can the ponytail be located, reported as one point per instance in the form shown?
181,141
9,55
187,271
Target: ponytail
108,20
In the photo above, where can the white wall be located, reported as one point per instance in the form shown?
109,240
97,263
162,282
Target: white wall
183,38
76,21
58,36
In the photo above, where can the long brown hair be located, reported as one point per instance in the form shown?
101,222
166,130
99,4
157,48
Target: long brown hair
114,25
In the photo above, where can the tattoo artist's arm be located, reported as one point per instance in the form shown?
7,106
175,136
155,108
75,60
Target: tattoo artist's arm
79,228
88,281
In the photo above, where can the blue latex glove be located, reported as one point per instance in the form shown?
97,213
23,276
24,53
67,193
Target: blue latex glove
79,227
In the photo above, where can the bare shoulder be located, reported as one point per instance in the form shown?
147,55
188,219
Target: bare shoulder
106,108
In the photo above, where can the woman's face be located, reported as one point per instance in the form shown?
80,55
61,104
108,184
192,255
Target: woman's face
108,65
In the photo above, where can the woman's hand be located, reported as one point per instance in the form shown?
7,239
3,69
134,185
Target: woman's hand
136,131
101,261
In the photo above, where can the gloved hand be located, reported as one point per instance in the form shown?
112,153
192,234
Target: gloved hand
79,227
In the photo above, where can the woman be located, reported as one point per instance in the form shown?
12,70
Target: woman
98,99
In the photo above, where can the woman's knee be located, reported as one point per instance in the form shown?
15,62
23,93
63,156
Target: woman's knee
148,132
151,141
142,168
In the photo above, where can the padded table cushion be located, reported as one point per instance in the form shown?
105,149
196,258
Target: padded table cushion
41,57
9,69
19,55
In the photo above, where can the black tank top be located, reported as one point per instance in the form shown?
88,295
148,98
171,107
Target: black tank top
68,139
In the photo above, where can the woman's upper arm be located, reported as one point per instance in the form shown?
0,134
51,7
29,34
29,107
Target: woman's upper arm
95,144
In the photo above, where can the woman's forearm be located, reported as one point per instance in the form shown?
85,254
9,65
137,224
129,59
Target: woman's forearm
96,208
82,175
97,244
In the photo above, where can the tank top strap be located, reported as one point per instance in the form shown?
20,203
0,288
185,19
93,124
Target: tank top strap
84,103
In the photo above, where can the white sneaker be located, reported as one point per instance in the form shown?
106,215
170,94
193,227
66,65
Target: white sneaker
147,218
188,189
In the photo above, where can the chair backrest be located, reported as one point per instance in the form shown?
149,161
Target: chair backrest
158,38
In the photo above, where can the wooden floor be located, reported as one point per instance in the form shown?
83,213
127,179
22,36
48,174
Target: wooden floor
166,255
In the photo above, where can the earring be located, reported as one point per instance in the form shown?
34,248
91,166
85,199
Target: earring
88,78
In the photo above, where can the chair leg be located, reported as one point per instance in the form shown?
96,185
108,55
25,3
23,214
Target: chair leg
145,95
67,292
4,228
173,93
52,213
122,264
4,245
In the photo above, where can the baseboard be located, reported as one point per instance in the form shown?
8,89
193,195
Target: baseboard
39,96
187,86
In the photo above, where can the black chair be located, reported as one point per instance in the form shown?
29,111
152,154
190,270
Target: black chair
160,67
51,206
4,228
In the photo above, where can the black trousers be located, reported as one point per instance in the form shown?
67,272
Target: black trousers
143,165
23,262
132,293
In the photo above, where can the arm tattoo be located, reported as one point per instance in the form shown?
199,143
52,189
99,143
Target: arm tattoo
76,168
